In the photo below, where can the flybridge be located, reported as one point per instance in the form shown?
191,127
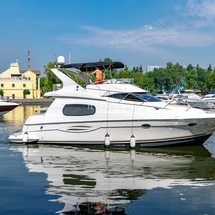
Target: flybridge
84,67
91,66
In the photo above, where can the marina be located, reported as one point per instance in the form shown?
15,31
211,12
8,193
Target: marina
50,179
107,107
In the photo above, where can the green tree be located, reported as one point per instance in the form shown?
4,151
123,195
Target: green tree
46,83
209,68
26,92
210,80
201,82
124,73
1,92
138,79
148,82
168,78
107,59
191,77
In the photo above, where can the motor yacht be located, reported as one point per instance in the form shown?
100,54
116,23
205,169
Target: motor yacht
83,116
6,106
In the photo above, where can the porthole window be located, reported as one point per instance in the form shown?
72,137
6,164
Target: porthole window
78,110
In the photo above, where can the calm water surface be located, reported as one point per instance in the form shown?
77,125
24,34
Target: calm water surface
40,179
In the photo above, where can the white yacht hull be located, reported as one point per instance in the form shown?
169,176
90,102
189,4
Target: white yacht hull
194,140
147,133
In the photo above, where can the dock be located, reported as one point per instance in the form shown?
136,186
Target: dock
41,101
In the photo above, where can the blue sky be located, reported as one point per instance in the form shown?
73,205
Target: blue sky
136,32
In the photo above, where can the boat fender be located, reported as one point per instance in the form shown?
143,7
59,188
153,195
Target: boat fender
132,141
107,140
25,137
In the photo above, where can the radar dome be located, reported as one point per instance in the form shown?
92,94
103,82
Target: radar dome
61,60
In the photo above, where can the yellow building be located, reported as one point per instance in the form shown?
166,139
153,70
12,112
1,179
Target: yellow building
16,84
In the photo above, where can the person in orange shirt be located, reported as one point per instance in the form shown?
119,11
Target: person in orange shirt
99,75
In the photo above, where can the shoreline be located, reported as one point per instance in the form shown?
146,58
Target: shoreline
41,101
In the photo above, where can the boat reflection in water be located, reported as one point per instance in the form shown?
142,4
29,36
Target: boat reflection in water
93,180
17,117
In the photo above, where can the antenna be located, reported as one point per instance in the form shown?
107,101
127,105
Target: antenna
29,60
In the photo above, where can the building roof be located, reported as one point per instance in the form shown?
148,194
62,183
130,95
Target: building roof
37,72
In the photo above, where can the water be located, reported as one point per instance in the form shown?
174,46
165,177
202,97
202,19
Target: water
40,179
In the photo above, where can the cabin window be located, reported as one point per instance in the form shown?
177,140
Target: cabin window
126,96
78,110
137,97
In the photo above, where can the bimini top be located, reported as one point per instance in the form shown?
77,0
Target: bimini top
84,67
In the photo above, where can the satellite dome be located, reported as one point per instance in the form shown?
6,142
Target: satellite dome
61,60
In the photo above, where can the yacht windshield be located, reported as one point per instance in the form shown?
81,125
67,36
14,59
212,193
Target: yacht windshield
147,97
138,97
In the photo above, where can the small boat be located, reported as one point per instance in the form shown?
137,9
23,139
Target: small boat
6,106
210,97
97,115
188,97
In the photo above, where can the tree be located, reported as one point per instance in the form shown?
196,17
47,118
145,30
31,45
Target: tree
209,68
1,92
107,59
141,69
190,77
47,82
169,78
26,92
148,82
201,82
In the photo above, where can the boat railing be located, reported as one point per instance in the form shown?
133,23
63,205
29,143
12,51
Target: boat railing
176,101
112,81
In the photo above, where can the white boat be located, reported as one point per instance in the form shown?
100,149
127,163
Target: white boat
6,106
210,97
188,97
201,103
79,116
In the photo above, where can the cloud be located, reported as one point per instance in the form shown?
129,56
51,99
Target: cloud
143,39
191,28
203,8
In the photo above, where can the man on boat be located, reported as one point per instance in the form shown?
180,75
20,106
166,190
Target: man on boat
99,75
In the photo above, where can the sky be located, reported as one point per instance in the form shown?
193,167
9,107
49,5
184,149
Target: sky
135,32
